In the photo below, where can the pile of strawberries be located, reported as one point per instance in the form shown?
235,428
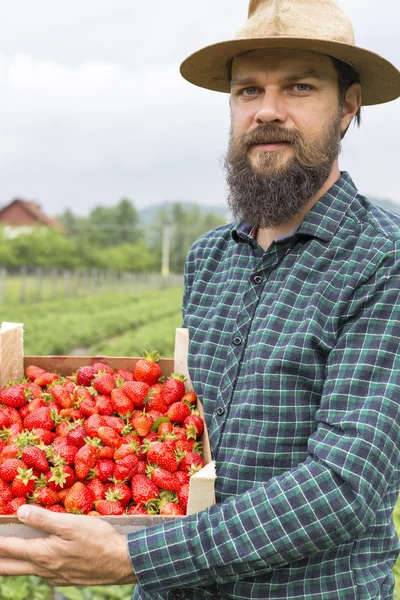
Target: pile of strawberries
99,442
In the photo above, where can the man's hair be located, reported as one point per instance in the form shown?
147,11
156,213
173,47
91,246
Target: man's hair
347,75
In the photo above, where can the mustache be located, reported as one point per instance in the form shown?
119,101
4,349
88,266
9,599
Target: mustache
268,135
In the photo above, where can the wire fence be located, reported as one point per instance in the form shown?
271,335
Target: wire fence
31,285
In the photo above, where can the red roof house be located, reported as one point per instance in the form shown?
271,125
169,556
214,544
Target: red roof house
24,213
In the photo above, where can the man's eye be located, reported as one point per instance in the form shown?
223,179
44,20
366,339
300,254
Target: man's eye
249,91
302,85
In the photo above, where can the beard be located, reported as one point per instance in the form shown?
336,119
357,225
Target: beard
274,191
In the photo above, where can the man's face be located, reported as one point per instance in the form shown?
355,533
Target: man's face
286,130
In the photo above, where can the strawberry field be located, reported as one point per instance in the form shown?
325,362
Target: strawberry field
109,323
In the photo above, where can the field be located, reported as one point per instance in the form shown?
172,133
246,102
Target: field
110,323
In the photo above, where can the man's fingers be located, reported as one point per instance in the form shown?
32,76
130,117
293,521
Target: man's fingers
20,549
45,520
10,567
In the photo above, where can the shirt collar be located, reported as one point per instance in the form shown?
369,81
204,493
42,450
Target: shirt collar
324,218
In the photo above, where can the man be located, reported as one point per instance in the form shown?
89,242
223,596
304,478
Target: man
294,323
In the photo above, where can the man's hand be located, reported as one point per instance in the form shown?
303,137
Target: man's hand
80,550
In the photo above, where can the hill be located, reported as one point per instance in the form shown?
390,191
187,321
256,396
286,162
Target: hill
148,215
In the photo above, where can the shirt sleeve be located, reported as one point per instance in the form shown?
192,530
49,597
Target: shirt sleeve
327,500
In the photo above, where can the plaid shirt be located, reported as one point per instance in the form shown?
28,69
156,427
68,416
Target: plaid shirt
294,353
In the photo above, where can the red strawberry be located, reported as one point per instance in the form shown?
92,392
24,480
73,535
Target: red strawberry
173,388
183,496
109,507
194,426
79,499
66,453
57,508
115,423
104,384
42,418
13,396
13,505
85,459
125,375
164,479
104,405
143,489
33,372
142,422
121,403
46,379
126,468
189,397
24,483
76,435
183,477
106,452
170,509
88,407
43,435
191,462
109,437
60,477
147,368
136,391
36,458
136,509
5,491
103,469
81,393
122,493
46,496
9,416
97,489
9,468
178,412
100,366
85,375
93,423
126,450
62,396
164,457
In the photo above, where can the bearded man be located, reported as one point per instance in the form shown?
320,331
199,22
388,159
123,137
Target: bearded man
294,325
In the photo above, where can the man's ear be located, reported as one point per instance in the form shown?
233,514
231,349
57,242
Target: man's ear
351,104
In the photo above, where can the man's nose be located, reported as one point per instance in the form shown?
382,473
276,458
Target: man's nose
272,109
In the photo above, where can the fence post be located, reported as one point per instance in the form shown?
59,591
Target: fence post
39,281
3,285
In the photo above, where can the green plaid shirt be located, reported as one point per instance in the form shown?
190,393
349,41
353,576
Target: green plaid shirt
294,353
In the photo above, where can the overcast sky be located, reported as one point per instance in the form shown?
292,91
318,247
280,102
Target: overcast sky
93,107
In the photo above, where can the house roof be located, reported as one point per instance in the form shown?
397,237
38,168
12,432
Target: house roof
33,208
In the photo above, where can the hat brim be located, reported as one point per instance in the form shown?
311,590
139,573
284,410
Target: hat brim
209,67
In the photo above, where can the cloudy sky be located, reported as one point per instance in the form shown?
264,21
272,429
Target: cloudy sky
93,107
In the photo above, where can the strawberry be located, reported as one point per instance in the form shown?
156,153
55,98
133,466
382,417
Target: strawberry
100,366
185,445
173,388
93,423
109,507
14,504
136,509
126,450
86,458
106,452
76,435
9,416
24,483
104,384
143,489
164,428
183,477
191,462
121,403
190,397
67,453
183,496
56,508
142,422
43,418
147,368
125,375
36,458
115,423
9,469
78,499
178,412
158,453
194,426
97,489
46,496
126,468
13,396
136,391
45,379
81,393
85,375
163,479
171,509
5,491
33,372
103,470
62,396
60,477
122,493
88,407
104,405
109,437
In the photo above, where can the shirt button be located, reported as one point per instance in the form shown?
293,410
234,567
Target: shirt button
220,411
176,596
257,279
237,341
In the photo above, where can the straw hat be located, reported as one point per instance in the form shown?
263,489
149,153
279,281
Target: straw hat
315,25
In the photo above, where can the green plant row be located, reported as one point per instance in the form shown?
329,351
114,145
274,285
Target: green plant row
61,331
34,588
